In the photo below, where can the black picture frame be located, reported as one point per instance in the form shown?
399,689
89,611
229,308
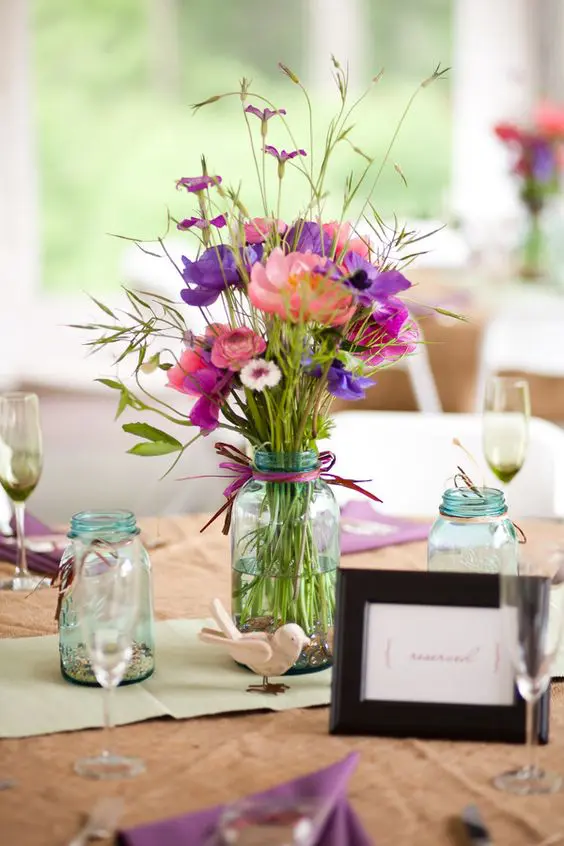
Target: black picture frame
351,714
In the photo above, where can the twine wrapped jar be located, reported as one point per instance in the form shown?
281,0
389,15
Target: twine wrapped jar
113,527
472,533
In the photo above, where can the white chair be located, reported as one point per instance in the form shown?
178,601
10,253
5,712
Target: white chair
410,460
423,385
86,464
531,343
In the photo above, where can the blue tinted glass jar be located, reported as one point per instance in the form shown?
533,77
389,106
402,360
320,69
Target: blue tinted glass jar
472,533
285,553
113,527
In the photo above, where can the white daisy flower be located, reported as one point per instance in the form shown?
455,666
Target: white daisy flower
259,374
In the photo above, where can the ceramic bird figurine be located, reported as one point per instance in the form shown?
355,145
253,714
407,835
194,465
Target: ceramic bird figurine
265,654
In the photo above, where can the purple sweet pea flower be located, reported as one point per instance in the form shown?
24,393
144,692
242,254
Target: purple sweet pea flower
212,273
213,385
205,415
266,114
307,236
371,284
283,156
198,183
201,223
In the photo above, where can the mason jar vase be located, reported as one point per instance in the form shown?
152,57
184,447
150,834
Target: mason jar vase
285,553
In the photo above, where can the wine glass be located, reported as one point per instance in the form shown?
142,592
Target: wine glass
507,408
106,596
21,462
272,821
532,609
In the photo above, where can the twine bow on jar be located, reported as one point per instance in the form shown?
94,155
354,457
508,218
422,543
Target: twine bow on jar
461,481
242,469
64,578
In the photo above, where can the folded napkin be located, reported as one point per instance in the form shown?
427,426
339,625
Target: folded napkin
45,563
363,528
328,787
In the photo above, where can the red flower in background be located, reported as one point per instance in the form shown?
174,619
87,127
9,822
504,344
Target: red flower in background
508,132
549,120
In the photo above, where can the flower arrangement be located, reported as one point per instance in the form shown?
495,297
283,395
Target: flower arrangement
309,311
537,159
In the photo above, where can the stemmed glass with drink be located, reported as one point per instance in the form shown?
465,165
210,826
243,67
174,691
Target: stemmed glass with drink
106,598
507,408
21,462
532,609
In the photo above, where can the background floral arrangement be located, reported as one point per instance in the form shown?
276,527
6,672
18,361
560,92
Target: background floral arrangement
537,153
310,311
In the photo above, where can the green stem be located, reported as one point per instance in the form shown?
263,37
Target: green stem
533,247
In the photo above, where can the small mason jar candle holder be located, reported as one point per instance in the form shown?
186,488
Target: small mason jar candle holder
472,533
112,528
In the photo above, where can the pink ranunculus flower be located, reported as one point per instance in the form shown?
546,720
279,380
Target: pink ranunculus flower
295,287
342,234
389,333
236,347
258,229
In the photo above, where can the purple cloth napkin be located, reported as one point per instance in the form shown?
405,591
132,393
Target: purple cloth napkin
342,826
45,563
363,528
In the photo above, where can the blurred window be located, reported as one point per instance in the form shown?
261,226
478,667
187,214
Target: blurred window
114,80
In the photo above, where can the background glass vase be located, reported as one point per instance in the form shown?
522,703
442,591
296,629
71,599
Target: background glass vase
472,533
285,555
105,527
534,249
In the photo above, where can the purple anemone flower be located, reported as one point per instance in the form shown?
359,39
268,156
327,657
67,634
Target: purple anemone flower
198,183
387,335
283,156
265,114
212,274
342,383
307,236
201,223
370,284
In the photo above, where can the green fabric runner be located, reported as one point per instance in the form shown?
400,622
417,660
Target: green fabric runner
191,679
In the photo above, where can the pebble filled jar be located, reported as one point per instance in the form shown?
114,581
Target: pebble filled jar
111,527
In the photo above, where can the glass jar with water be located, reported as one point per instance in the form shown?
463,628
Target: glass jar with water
472,533
285,552
103,530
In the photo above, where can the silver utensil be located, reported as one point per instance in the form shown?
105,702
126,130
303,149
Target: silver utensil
475,826
7,783
101,822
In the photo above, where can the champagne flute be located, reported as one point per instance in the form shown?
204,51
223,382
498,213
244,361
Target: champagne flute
107,603
532,609
507,409
21,462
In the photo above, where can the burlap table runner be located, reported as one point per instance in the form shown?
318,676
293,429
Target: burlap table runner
405,791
